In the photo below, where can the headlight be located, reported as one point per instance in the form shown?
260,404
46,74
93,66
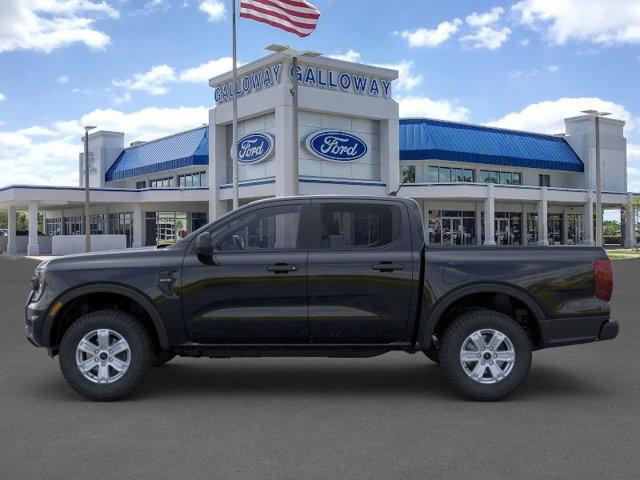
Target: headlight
38,285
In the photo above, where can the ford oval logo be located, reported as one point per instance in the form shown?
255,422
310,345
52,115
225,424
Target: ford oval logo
336,146
255,148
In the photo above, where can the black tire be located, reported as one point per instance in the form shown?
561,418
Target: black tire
140,361
452,343
163,357
432,353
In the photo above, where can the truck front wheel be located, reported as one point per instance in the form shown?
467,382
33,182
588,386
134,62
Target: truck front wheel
105,355
485,354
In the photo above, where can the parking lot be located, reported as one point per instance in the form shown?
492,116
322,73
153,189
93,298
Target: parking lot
576,416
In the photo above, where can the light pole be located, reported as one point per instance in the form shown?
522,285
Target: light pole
596,115
294,55
87,218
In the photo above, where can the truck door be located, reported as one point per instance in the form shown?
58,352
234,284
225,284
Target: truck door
360,272
255,291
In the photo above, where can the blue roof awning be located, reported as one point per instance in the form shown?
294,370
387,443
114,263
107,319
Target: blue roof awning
426,139
176,151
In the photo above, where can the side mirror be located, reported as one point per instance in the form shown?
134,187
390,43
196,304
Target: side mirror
204,247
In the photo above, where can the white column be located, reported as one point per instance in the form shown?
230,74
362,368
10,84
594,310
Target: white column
588,220
543,234
478,224
138,226
629,223
12,247
219,156
33,248
489,217
284,156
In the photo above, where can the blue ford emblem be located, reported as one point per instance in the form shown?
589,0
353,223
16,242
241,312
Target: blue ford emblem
255,147
336,146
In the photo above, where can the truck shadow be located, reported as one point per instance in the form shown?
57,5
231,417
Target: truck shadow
425,381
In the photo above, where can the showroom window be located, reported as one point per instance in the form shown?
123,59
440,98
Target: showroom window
166,182
190,180
544,180
499,177
408,174
448,175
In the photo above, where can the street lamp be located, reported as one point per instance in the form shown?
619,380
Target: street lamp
294,55
596,115
87,218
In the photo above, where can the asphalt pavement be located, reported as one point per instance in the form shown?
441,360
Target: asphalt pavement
577,416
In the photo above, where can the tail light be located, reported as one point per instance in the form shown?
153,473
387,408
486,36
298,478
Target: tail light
603,274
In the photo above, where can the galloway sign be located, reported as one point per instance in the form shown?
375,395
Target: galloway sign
260,80
255,148
308,76
336,146
342,81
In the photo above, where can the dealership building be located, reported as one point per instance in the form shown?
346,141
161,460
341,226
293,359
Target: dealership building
475,184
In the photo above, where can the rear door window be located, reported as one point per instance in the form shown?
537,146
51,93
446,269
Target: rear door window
358,226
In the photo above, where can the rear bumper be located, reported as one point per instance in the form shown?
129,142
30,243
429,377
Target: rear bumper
570,331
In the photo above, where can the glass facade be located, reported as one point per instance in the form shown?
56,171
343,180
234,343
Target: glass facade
166,228
166,182
408,174
101,224
448,175
504,178
452,227
190,180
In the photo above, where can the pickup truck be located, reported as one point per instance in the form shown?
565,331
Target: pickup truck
317,276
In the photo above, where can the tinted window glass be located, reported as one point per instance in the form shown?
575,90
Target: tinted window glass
270,228
359,226
432,174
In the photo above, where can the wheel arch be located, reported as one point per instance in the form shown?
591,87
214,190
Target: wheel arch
437,317
52,325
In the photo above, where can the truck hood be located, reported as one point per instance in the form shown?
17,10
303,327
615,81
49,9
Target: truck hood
89,260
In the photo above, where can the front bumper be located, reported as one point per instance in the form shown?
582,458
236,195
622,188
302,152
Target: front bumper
34,323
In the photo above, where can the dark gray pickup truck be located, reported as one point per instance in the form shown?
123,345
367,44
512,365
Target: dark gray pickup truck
318,276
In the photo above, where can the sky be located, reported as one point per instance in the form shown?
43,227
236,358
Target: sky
142,66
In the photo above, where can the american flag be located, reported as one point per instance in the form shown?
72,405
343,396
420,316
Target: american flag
295,16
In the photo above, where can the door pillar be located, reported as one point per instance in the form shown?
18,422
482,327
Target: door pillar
543,233
33,248
489,217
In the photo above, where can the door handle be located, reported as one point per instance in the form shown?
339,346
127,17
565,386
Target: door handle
282,268
386,267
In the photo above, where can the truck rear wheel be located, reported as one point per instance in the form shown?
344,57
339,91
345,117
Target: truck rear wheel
485,355
105,355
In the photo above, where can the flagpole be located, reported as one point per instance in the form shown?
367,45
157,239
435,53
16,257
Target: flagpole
294,128
234,149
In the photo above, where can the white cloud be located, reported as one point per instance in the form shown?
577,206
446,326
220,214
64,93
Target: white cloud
487,37
423,37
154,81
484,19
214,9
552,68
633,167
45,25
414,106
548,116
2,96
120,99
203,72
525,42
530,74
63,79
48,155
349,56
407,78
595,21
